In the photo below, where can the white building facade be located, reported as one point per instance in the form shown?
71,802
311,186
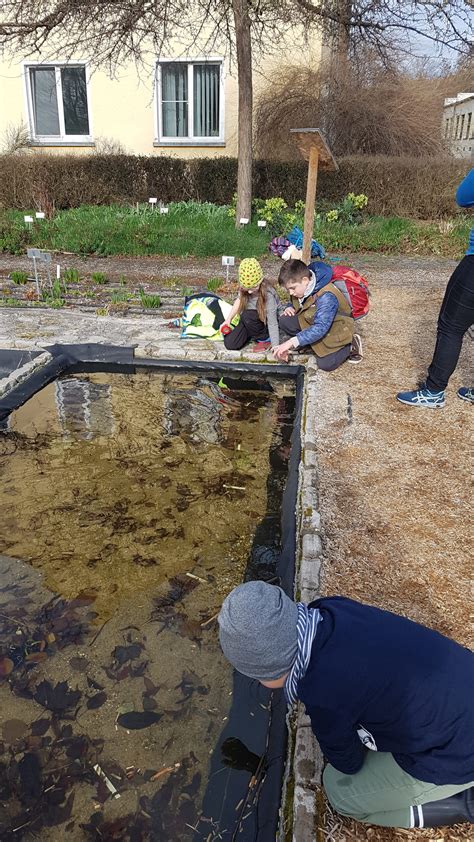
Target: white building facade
458,124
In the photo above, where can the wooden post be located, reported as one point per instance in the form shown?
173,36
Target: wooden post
310,203
314,149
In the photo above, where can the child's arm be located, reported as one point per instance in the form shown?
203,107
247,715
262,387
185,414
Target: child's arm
465,191
272,319
325,315
233,312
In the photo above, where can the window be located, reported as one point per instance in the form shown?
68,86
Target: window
190,101
58,102
461,127
468,126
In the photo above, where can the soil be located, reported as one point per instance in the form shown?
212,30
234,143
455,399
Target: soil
394,489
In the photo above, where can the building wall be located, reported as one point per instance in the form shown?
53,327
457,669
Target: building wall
124,109
458,124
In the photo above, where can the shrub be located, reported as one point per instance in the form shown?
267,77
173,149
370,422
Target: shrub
422,188
19,277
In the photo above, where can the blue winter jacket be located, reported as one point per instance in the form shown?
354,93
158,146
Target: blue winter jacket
376,680
327,306
465,198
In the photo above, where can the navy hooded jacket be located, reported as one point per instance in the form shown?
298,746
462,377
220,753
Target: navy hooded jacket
376,680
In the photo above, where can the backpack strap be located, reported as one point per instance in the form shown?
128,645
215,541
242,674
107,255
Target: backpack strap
343,306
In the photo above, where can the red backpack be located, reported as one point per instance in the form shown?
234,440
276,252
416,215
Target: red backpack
354,288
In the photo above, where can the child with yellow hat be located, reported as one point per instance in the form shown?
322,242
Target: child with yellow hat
258,306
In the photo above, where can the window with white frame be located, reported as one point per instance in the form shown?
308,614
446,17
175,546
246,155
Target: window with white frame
190,101
58,102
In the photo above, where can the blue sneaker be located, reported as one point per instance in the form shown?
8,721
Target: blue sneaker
466,394
422,397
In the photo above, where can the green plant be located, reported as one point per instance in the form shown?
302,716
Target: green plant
19,277
118,296
349,210
71,276
148,300
185,291
101,311
122,281
214,284
99,278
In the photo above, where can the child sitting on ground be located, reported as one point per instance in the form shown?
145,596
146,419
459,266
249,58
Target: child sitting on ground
257,305
390,701
319,316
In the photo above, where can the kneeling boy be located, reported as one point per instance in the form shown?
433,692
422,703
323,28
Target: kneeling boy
319,316
391,702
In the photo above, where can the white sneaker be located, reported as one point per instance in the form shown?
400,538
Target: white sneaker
356,350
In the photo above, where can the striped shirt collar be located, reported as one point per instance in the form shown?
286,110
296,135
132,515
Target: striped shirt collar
306,628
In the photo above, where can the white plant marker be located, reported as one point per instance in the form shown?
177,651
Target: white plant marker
227,260
152,202
28,221
164,210
262,223
58,271
40,215
243,220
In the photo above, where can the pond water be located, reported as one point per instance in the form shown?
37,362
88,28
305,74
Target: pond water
130,504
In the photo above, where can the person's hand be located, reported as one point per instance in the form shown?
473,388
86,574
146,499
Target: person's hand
280,352
289,311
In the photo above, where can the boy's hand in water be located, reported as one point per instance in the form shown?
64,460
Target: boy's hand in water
289,311
280,352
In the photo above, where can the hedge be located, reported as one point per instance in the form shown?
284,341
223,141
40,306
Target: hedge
415,187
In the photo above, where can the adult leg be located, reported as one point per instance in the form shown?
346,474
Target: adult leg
455,318
383,794
249,327
332,361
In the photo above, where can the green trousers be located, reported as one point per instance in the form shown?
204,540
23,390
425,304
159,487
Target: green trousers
382,793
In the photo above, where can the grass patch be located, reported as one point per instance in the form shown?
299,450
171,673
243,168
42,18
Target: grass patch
19,277
206,230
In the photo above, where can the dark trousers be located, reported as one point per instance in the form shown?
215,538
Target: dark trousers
455,318
249,327
291,326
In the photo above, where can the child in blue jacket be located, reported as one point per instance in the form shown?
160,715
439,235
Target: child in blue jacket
391,702
455,318
319,316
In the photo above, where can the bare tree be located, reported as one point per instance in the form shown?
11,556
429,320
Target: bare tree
112,33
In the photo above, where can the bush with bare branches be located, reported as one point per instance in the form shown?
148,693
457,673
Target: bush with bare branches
363,107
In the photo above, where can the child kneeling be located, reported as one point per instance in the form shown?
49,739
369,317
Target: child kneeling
257,305
391,702
319,316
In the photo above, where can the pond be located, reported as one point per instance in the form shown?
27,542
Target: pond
130,505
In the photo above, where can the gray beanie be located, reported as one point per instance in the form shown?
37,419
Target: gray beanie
257,630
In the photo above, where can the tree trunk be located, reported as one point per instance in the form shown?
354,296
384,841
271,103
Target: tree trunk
244,68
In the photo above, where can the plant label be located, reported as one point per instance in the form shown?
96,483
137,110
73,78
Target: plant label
243,220
164,210
152,201
39,215
44,256
33,254
28,219
262,223
227,260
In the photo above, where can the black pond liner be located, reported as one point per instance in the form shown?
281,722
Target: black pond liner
257,716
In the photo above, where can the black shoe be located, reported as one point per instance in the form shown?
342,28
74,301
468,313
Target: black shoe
447,811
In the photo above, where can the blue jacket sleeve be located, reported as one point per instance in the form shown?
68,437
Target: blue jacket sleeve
325,315
338,739
465,191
